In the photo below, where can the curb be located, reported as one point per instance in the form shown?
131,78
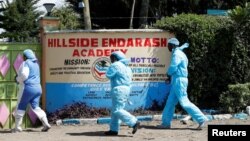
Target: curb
106,120
147,118
139,118
83,121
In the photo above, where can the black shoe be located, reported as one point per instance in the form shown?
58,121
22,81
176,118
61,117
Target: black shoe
135,127
111,133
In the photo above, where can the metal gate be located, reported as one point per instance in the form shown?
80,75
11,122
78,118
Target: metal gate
10,60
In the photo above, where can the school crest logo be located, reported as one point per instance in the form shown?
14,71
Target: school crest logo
99,69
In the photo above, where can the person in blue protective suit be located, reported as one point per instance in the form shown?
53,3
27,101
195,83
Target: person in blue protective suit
178,74
30,91
120,76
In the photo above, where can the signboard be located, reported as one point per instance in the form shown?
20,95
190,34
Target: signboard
76,63
217,12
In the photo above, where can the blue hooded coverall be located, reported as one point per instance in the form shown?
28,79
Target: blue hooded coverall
120,76
179,83
30,91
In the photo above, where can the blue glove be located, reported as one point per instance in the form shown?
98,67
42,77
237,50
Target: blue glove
168,80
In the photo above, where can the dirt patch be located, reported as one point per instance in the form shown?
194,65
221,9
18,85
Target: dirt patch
94,132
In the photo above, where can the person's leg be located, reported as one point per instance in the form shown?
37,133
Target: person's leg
18,120
43,118
20,93
168,111
185,119
40,113
19,113
23,100
189,107
126,117
36,92
114,123
119,100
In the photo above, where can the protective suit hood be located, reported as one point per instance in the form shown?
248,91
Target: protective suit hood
121,57
177,43
30,54
174,41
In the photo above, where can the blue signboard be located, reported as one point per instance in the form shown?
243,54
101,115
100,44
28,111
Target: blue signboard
217,12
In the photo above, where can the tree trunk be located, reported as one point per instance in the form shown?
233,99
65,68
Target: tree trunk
86,15
132,15
143,21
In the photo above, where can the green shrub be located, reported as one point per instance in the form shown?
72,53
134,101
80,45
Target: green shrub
236,98
219,53
202,31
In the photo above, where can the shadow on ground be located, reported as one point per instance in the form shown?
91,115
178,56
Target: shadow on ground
97,133
26,130
154,127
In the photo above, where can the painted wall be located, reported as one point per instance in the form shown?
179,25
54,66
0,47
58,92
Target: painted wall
75,64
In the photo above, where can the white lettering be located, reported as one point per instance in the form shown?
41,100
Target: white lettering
216,132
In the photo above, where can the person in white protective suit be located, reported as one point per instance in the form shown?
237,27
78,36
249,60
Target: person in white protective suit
178,74
120,76
30,91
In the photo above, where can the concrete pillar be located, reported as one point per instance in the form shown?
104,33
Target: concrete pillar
46,24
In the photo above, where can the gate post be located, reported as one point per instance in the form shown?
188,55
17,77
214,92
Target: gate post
46,23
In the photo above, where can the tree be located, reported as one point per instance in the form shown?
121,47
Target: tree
68,18
20,20
241,17
112,14
240,14
86,13
132,15
144,13
106,13
3,7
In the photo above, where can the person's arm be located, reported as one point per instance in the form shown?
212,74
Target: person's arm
175,61
23,73
111,72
